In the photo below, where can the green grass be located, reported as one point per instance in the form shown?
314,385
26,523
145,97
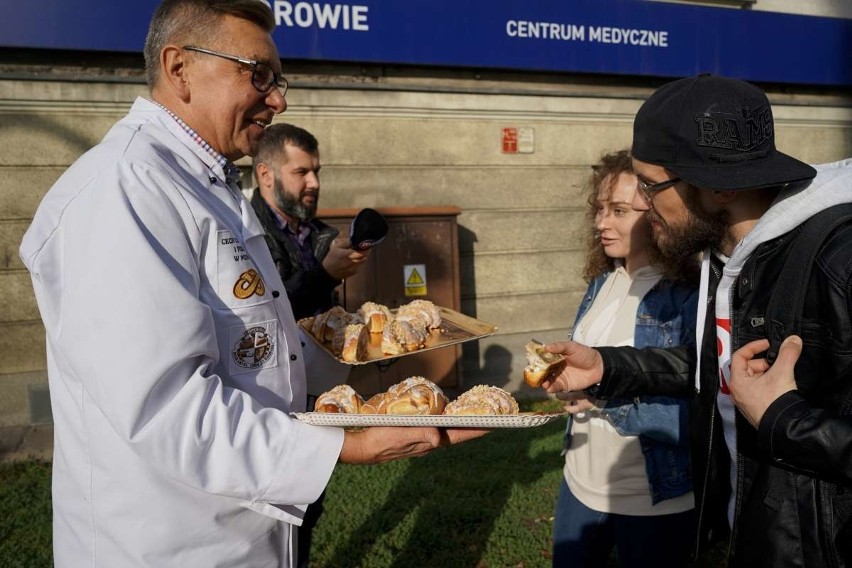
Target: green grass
25,532
487,503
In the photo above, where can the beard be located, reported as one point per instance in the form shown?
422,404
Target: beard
293,206
701,230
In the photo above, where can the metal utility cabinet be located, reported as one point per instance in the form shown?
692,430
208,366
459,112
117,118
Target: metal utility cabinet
418,259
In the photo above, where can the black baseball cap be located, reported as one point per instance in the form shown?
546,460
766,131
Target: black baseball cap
715,133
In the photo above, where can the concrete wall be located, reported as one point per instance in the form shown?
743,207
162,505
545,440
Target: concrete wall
403,141
522,228
824,8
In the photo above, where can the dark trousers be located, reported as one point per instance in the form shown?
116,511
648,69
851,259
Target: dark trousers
584,538
305,532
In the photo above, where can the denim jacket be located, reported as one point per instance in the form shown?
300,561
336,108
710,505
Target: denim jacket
665,318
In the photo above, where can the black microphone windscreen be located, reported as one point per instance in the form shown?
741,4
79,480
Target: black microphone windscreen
368,229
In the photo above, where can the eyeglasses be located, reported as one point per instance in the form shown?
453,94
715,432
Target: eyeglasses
649,190
262,75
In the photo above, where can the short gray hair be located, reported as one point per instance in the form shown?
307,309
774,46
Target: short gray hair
185,22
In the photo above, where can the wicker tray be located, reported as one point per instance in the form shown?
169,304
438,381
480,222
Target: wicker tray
523,420
455,328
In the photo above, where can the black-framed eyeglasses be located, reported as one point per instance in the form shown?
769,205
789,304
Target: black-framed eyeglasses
262,75
649,190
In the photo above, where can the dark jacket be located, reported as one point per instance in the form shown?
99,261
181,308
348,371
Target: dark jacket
794,473
310,291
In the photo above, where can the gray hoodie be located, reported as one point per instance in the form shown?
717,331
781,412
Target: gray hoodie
793,206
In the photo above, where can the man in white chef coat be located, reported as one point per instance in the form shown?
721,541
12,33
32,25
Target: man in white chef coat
173,356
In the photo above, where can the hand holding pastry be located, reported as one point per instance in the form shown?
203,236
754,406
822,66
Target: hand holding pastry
542,365
583,367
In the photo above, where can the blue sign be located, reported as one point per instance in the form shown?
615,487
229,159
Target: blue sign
625,37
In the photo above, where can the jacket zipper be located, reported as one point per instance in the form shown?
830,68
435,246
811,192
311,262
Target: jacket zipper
736,491
711,431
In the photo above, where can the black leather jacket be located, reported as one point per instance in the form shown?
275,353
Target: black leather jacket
794,473
310,291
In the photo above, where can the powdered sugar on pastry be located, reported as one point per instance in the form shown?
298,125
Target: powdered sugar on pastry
340,399
427,310
414,395
374,316
483,400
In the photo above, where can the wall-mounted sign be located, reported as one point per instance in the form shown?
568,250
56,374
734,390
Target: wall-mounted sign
509,140
625,37
526,140
518,140
414,276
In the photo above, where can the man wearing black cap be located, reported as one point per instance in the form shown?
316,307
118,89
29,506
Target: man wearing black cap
771,457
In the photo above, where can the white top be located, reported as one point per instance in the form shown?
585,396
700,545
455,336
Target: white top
172,366
603,469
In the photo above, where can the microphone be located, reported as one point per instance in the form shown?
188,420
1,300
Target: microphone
368,229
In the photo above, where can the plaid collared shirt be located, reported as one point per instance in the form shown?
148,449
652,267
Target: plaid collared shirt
232,172
301,239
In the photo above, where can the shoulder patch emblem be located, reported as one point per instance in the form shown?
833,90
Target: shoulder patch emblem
248,284
254,348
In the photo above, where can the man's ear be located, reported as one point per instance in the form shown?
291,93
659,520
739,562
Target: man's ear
263,175
173,72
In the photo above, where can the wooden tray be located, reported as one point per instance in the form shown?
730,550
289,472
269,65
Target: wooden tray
455,328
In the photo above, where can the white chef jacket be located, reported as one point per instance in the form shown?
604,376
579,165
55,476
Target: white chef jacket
173,361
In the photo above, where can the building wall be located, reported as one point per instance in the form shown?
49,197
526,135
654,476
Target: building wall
387,139
824,8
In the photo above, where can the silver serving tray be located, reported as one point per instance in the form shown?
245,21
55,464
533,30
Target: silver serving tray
523,420
455,328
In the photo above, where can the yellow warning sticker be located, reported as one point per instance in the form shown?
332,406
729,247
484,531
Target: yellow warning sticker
415,279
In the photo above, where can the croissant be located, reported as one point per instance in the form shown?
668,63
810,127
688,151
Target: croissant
374,316
428,311
337,339
317,328
340,399
410,335
541,364
390,345
336,319
414,395
374,404
356,340
483,400
307,324
416,318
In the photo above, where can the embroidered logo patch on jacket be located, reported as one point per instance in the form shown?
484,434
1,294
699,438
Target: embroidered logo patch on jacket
248,284
239,281
254,348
